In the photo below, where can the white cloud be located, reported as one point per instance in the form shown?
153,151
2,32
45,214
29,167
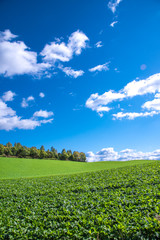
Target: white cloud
7,35
157,95
99,44
8,96
16,57
42,95
133,115
98,102
43,113
152,105
113,4
99,68
113,23
5,110
71,72
108,154
150,85
64,52
30,98
9,120
25,101
142,87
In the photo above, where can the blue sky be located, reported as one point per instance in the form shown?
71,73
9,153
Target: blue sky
96,65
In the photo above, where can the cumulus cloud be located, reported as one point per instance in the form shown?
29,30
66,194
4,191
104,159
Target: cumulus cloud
5,110
16,57
25,101
99,68
152,105
9,119
109,154
43,113
142,87
60,51
150,85
113,4
42,95
98,102
8,96
71,72
113,23
99,44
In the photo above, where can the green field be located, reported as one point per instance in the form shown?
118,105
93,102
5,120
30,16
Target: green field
19,168
121,203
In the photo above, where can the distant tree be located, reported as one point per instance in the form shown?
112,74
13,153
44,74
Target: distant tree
9,145
1,149
64,155
17,145
59,156
54,151
42,154
82,157
76,156
7,151
23,152
71,158
69,153
14,151
49,154
42,148
34,153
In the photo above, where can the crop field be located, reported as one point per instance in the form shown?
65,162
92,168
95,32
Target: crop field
19,168
122,203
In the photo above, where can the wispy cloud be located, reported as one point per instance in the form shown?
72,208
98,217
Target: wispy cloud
113,23
99,68
71,72
113,4
99,44
25,101
133,115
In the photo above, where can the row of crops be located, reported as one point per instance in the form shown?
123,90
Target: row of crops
114,204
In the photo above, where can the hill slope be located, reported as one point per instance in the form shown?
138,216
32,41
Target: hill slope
22,168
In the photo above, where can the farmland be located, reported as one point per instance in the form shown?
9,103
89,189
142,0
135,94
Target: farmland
19,167
120,203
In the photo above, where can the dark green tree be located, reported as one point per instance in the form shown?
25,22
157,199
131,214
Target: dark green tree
1,149
82,157
42,148
34,152
9,145
64,155
76,156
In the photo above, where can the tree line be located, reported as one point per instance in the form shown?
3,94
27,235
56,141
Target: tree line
17,150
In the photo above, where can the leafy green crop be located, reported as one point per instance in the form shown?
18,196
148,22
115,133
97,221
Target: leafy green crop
111,204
